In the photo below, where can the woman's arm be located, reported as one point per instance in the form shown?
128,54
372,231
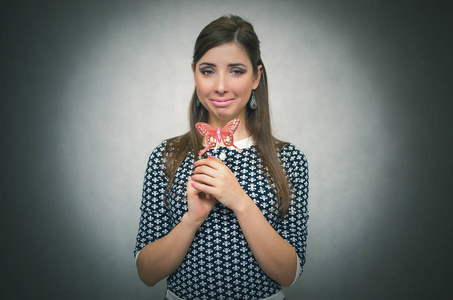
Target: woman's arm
163,247
159,259
276,257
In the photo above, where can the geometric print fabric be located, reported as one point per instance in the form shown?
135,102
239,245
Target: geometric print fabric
219,264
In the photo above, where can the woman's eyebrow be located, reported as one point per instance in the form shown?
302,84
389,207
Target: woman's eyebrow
207,64
237,65
230,65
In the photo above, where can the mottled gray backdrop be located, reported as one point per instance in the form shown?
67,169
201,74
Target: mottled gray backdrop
89,88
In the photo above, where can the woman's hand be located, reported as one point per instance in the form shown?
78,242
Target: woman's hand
199,204
275,256
215,179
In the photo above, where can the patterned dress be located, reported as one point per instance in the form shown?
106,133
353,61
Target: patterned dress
219,263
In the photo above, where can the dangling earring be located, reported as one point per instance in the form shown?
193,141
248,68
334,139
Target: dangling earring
198,102
252,102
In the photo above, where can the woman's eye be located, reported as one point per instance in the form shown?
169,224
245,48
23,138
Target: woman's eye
238,71
207,72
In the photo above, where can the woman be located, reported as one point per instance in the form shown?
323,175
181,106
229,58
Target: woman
225,222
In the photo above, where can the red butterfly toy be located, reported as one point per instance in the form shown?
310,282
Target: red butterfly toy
215,136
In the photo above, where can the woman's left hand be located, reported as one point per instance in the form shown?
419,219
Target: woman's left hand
214,178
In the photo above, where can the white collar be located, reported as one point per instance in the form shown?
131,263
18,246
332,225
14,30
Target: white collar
241,144
244,143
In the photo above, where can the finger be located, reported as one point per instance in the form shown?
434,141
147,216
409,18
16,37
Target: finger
190,188
193,191
201,187
205,179
210,162
216,159
206,170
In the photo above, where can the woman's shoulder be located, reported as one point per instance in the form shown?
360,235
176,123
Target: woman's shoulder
167,145
170,147
159,149
290,154
287,149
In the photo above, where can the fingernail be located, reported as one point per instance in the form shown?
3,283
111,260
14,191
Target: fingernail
210,156
193,183
208,196
194,163
191,177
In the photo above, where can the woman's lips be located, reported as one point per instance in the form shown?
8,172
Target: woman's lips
221,102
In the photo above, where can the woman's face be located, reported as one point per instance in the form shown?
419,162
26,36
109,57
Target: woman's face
224,81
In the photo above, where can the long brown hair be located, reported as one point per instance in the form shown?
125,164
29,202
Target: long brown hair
224,30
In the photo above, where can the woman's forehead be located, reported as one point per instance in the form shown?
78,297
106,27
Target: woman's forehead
228,53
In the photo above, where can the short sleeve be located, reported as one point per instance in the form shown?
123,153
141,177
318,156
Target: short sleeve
154,219
293,228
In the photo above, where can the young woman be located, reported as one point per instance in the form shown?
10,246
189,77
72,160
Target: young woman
224,209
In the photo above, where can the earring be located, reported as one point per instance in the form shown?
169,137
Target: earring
252,102
198,102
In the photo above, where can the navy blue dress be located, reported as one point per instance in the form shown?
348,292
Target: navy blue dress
219,263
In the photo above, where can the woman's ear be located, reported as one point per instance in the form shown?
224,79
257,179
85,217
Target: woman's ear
192,66
257,79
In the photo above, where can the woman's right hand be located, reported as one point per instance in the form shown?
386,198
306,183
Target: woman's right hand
199,204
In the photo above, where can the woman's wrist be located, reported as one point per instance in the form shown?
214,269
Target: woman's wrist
244,205
190,223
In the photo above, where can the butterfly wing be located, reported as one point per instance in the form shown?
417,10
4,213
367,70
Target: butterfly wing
210,135
227,133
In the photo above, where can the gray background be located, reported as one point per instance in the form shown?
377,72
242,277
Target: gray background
89,88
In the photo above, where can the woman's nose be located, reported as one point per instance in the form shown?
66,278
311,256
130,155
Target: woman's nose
221,84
